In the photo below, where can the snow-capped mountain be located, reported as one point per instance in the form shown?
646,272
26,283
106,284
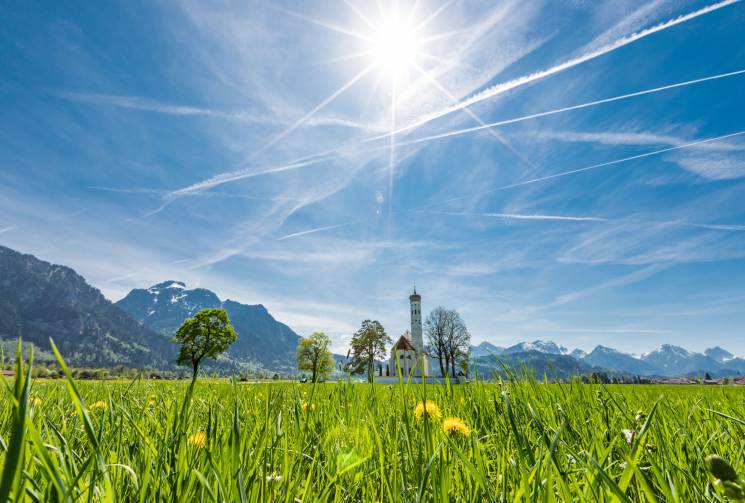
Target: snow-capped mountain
675,360
667,360
612,359
261,338
548,347
163,307
578,354
485,349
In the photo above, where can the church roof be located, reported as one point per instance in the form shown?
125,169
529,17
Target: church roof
403,343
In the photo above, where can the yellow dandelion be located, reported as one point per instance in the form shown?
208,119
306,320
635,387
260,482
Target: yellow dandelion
307,406
36,401
429,408
455,426
99,405
198,440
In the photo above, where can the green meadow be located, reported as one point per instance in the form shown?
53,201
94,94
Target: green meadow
63,440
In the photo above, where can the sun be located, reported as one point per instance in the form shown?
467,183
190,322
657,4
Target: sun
395,45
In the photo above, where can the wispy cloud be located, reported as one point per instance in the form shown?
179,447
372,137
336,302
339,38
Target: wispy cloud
625,279
719,160
630,138
149,105
583,330
713,165
697,143
6,229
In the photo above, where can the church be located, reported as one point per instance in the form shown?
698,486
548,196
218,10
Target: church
408,351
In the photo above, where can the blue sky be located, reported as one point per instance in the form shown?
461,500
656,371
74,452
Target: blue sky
246,147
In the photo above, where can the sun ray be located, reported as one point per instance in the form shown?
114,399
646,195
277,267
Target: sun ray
391,160
495,134
322,23
434,15
318,107
359,14
343,59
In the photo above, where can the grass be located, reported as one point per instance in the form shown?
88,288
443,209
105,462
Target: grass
226,441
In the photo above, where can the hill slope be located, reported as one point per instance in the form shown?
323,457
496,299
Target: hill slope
39,300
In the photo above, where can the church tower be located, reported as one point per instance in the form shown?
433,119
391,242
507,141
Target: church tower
407,354
416,321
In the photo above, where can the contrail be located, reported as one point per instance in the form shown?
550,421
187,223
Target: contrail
521,216
566,218
570,108
317,229
339,152
589,168
240,175
318,107
526,79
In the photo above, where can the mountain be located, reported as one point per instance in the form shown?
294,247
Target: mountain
485,349
165,306
674,360
611,359
578,354
718,354
261,338
39,300
667,360
555,366
547,347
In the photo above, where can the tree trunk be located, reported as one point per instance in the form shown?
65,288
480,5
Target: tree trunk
443,364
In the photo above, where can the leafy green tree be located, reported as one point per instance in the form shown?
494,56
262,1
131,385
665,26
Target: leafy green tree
314,356
206,335
368,343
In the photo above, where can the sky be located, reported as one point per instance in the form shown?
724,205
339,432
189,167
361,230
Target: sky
562,170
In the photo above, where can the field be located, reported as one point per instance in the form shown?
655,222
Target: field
521,441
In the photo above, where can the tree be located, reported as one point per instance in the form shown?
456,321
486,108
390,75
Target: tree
448,339
368,343
206,335
314,356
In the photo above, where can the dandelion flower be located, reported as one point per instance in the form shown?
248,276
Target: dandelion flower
428,408
99,405
36,401
455,426
198,440
307,406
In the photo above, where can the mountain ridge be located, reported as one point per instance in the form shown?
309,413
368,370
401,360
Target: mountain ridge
261,338
667,360
40,300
